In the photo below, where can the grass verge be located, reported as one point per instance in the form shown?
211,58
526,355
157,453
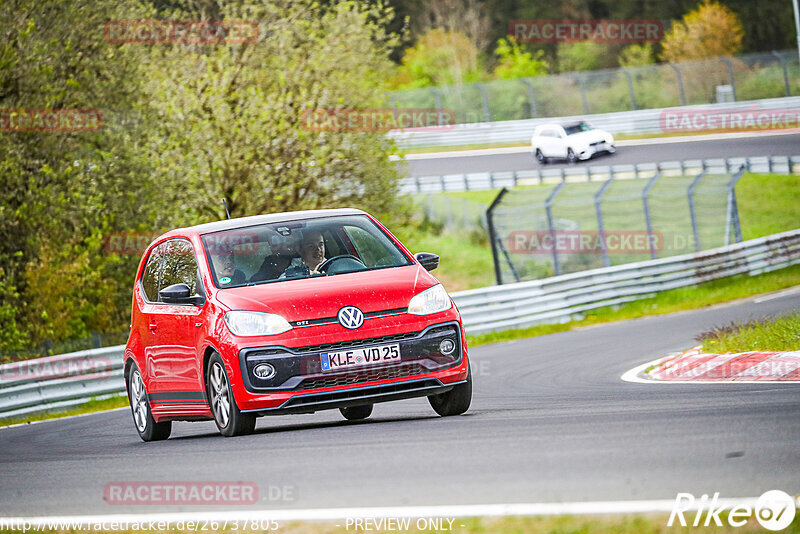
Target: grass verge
674,300
94,405
772,333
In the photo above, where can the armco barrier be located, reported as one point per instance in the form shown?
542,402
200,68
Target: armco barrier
70,379
535,176
645,121
561,298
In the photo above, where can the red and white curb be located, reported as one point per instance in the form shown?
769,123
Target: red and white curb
697,367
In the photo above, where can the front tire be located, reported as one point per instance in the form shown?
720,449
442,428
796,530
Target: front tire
356,413
571,157
454,402
229,419
143,420
540,157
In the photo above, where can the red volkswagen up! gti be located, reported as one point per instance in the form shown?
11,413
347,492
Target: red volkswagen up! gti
288,313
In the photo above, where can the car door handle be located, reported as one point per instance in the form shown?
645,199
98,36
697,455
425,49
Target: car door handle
153,326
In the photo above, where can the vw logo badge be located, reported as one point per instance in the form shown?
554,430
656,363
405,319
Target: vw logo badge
351,317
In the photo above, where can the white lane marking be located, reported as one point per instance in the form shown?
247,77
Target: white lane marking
779,294
329,514
64,418
623,143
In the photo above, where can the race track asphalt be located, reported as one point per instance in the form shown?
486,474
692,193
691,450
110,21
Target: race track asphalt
756,145
551,421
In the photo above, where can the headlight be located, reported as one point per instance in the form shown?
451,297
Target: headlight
250,323
432,300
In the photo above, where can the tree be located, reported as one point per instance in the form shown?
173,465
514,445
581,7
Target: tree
439,58
637,55
231,118
710,30
514,62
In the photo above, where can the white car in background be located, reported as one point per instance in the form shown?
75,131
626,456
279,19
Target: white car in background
573,142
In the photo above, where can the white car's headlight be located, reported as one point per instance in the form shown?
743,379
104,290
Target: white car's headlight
251,323
432,300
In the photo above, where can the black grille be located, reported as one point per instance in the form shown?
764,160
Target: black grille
354,343
371,375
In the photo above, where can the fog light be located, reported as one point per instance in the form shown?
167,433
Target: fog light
264,371
447,346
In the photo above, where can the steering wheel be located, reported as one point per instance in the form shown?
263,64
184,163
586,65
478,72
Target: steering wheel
323,267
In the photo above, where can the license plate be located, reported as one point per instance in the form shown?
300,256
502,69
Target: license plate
359,357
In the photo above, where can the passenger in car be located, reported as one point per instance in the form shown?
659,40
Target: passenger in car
225,267
283,250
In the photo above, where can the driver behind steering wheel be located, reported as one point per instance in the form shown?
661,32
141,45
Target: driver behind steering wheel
312,255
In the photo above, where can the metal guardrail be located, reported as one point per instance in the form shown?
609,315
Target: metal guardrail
645,121
56,382
561,298
496,180
43,384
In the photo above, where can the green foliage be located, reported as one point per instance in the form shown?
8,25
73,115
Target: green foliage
514,62
586,55
711,30
439,58
637,55
183,126
773,333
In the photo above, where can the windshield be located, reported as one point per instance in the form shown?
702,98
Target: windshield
290,250
577,128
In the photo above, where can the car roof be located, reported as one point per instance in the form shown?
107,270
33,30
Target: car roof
572,124
241,222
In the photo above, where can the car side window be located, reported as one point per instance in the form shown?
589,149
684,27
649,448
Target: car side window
179,265
152,272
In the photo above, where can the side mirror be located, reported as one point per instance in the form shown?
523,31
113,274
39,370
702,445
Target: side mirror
179,294
427,260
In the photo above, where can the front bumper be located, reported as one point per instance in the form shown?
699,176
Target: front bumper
301,386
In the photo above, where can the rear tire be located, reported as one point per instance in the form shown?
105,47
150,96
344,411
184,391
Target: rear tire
454,402
229,419
356,413
143,420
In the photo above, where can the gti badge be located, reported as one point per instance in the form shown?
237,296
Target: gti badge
351,317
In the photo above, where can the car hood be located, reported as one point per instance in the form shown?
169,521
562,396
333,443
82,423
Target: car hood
592,136
323,296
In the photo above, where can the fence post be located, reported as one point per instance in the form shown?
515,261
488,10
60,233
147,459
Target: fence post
729,66
679,77
598,208
630,87
647,218
487,117
493,235
582,86
548,206
437,98
692,213
785,72
531,97
732,218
